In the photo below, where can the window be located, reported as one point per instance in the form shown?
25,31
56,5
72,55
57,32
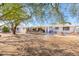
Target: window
65,28
56,28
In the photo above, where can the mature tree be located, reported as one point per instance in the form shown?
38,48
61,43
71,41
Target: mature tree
14,14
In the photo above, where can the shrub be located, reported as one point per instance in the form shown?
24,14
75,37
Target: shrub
5,29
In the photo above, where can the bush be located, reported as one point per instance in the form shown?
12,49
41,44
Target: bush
5,29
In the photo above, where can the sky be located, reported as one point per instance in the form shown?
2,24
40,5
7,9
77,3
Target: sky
64,7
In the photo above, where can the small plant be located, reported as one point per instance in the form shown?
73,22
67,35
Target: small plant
5,29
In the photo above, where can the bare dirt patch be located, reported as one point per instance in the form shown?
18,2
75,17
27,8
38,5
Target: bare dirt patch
39,45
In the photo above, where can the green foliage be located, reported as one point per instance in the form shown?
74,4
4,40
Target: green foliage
5,29
14,13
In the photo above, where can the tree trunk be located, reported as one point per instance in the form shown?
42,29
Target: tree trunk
13,29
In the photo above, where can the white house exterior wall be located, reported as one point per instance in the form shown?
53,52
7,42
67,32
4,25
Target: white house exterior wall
22,29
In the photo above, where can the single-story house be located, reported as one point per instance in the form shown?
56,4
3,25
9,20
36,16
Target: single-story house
56,29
